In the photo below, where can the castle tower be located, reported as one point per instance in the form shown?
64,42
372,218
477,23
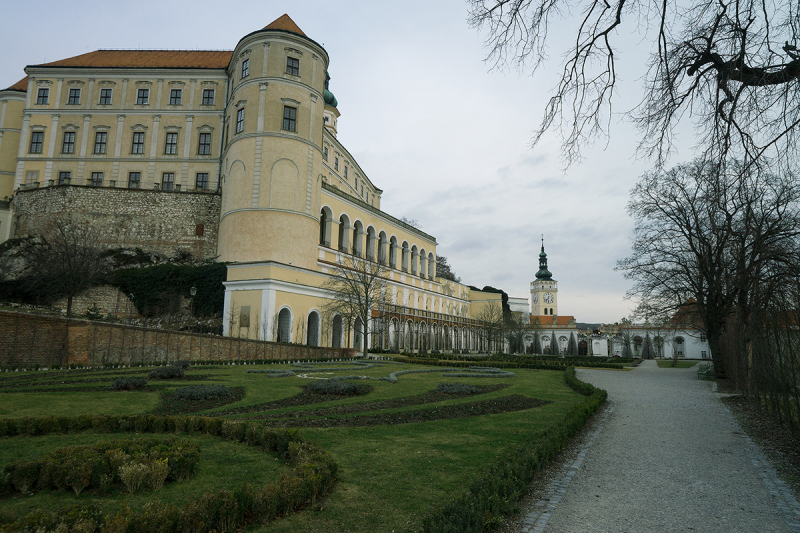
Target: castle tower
544,291
272,156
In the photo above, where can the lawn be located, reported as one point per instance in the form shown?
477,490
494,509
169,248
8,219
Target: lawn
682,363
390,474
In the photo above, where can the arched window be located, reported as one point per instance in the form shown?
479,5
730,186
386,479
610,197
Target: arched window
358,238
431,265
422,262
312,335
405,256
678,346
325,218
336,337
359,335
393,252
284,325
414,258
344,226
371,242
382,255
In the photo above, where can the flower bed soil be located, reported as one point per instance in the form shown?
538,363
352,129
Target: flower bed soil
173,406
151,386
305,398
506,404
355,408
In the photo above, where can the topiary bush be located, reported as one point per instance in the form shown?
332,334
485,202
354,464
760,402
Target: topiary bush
129,462
337,387
129,384
457,388
202,392
167,372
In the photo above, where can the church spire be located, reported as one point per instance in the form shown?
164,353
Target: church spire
543,273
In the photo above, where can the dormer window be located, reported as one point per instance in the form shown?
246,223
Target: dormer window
292,66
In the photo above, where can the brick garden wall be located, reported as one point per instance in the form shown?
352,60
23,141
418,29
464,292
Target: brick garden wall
155,221
27,339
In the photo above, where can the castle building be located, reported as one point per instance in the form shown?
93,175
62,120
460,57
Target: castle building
226,155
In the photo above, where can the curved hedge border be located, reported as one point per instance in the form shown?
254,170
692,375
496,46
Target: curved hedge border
493,495
313,475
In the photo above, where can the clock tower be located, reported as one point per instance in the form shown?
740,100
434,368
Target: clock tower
544,291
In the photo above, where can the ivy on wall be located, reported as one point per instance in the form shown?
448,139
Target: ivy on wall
157,289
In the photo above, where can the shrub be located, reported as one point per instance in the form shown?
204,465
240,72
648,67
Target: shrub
202,392
166,372
157,473
129,384
182,364
457,388
271,373
337,387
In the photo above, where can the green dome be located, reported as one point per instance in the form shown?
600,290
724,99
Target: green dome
329,98
543,273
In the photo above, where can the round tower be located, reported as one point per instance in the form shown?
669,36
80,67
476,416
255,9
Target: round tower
273,137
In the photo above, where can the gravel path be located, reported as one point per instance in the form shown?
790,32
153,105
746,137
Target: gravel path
665,455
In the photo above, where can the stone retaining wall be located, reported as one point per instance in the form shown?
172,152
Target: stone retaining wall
27,339
164,222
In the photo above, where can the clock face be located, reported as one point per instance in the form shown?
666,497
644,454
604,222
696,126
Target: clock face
548,297
536,298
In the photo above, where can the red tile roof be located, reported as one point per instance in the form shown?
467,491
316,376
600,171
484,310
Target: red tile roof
546,320
210,59
285,23
21,85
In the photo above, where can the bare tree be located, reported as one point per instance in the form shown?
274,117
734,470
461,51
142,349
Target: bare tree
709,239
730,65
355,286
64,260
517,324
491,317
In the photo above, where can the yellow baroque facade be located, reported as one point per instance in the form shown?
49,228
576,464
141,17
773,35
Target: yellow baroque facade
256,128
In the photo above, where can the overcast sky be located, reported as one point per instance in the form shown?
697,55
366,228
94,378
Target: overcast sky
446,138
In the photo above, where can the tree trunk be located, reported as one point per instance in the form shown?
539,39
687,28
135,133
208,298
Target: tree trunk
716,354
69,306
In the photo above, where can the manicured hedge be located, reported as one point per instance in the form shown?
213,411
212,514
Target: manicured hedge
98,466
494,493
313,475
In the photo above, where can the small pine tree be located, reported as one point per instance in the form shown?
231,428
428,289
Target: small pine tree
537,343
554,348
647,347
572,347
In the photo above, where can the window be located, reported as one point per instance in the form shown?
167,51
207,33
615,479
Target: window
208,96
240,120
175,96
142,96
105,96
202,181
167,181
137,147
325,153
100,139
134,180
345,171
292,66
703,337
74,97
43,95
204,148
31,177
171,147
63,177
37,139
245,68
68,146
97,179
289,118
336,163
